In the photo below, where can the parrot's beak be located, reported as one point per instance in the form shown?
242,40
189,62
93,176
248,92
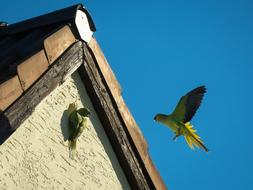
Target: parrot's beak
88,113
155,118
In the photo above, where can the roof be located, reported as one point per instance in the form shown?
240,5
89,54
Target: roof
39,54
33,32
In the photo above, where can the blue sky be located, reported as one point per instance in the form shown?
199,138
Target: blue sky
159,50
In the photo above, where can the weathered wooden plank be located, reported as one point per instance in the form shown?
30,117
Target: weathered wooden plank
154,174
115,90
32,68
10,90
112,123
58,42
105,67
55,76
135,136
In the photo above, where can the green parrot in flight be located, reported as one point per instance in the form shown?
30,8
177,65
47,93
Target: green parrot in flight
179,120
77,122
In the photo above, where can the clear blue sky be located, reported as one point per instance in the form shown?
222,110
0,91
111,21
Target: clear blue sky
161,49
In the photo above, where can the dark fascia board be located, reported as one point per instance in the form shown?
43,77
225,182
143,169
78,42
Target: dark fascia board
112,123
60,16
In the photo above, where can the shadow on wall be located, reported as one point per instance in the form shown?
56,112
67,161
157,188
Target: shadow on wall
5,128
64,125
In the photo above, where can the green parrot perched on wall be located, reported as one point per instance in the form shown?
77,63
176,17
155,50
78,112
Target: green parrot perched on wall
78,120
179,120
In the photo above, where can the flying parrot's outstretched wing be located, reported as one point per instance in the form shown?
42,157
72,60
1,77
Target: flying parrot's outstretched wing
189,104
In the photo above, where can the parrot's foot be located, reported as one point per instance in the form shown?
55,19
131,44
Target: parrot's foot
178,133
175,137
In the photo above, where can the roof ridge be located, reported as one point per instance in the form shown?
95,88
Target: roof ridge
61,15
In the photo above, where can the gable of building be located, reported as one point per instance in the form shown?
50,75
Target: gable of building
40,57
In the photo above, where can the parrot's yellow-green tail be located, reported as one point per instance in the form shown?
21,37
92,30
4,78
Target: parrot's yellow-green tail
192,138
72,148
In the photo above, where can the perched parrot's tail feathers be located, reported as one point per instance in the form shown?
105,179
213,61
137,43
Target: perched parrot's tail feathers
192,139
72,148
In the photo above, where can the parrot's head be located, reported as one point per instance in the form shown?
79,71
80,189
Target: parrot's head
159,117
85,112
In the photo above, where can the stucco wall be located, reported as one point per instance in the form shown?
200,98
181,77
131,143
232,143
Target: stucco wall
37,157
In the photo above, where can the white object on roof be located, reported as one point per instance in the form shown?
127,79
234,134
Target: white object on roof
83,26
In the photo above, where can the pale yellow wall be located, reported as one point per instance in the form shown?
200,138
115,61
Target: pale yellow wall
36,156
